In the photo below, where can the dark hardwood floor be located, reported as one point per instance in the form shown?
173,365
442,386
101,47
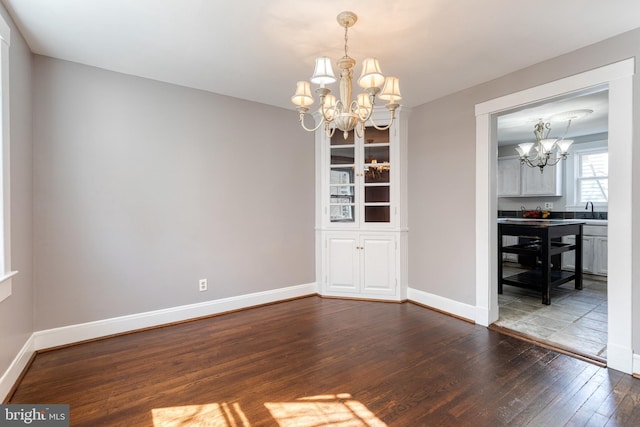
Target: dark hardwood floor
316,362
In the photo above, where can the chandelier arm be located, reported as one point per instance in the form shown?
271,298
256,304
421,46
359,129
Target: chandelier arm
310,129
330,131
357,110
393,116
360,130
566,131
552,161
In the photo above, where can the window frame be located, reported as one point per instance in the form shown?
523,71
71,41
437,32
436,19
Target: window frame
5,210
572,174
579,178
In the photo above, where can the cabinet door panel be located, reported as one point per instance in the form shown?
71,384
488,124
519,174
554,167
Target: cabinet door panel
546,183
378,265
600,248
568,258
342,264
508,177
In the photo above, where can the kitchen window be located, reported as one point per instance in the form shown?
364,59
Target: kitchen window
592,176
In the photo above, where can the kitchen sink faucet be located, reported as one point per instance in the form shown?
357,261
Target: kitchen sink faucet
587,207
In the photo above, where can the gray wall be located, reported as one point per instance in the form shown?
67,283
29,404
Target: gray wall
16,312
142,188
442,150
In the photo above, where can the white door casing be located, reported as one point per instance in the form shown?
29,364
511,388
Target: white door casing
619,78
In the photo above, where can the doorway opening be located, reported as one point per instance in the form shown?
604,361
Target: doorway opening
576,320
619,78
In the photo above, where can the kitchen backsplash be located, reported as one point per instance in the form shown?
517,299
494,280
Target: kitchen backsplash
556,215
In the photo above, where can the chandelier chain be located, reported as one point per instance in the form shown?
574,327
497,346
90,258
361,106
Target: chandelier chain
346,40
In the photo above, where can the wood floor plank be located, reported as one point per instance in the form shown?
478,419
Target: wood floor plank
377,363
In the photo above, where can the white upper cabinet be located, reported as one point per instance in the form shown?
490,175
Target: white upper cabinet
509,177
516,180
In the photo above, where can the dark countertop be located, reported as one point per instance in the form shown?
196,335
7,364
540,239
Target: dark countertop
539,223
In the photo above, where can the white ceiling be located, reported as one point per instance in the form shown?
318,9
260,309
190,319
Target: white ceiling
517,126
258,49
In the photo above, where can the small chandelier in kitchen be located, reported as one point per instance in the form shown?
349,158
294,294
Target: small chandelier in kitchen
544,147
346,114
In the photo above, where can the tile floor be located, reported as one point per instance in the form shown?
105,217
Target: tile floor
576,319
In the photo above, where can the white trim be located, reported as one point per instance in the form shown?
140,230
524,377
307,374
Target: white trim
5,156
5,285
636,364
619,77
16,367
100,328
447,305
5,31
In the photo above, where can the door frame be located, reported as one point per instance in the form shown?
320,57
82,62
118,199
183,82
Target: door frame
619,79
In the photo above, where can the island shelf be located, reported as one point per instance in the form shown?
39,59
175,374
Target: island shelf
545,247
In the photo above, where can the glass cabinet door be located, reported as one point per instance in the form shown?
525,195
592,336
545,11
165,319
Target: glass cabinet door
376,171
342,186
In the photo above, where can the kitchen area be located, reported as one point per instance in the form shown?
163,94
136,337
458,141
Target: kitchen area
552,192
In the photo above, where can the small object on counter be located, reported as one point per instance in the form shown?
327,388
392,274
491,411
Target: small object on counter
537,213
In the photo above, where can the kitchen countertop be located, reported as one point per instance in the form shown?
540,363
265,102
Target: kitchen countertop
533,221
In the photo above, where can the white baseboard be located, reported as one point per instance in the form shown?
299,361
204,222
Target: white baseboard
636,365
620,358
85,331
447,305
90,330
14,370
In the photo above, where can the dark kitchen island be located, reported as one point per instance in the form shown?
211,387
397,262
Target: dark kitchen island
545,247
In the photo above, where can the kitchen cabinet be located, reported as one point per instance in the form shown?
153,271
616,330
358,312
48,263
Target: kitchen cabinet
509,177
361,217
517,180
594,251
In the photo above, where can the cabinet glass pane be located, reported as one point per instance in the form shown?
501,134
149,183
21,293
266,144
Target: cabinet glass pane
341,176
338,138
376,174
342,156
342,194
376,168
377,213
342,213
375,136
376,194
376,154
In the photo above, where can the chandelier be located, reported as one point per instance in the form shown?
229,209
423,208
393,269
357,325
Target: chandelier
548,151
347,114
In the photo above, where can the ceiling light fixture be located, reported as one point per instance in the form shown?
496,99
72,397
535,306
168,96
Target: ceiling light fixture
346,114
544,147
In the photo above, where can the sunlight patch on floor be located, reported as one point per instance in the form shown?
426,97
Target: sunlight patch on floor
334,410
212,414
325,410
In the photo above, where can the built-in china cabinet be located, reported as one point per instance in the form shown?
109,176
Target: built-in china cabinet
361,216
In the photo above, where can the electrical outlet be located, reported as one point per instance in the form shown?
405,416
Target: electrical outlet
548,205
202,285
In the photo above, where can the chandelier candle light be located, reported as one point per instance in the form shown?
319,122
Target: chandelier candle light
347,114
545,146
